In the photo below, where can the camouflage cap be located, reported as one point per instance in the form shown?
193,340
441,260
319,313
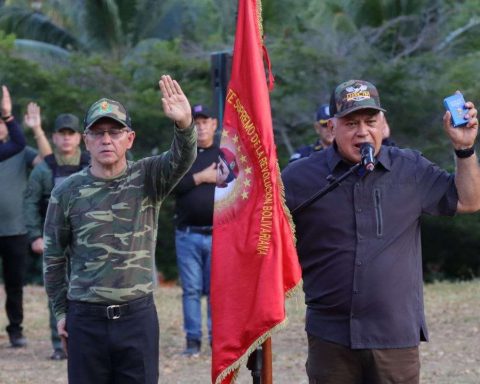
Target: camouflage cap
107,108
352,96
67,121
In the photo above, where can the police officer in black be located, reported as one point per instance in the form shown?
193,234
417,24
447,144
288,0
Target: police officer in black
325,136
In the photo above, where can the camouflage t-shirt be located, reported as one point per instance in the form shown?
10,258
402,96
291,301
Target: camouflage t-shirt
109,228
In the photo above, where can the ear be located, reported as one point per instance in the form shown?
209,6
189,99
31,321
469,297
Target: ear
131,138
386,127
78,138
85,141
331,123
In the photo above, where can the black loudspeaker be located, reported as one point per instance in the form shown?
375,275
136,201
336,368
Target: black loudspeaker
221,64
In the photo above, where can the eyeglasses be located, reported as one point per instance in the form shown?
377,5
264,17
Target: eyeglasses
113,133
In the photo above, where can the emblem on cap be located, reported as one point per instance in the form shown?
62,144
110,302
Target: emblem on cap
106,107
357,93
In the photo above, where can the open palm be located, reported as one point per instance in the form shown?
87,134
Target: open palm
32,118
6,104
175,103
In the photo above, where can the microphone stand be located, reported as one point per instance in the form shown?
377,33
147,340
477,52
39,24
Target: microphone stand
332,184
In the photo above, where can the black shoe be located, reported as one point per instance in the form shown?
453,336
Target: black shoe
17,340
193,348
58,354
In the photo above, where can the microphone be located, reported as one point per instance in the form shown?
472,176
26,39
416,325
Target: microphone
368,158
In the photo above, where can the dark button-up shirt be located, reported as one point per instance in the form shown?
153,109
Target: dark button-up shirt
359,246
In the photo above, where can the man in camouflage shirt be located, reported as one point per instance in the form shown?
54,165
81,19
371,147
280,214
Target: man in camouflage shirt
106,216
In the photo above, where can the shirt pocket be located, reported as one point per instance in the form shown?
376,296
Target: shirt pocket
377,203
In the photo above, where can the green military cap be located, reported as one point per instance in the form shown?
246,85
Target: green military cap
352,96
67,121
107,108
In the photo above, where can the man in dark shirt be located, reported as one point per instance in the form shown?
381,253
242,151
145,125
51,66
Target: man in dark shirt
15,164
359,246
193,236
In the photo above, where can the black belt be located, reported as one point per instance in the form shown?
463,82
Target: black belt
205,230
112,312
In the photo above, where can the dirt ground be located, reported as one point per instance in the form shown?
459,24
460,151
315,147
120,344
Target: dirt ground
451,357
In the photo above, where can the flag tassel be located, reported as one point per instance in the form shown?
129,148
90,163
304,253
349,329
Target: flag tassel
244,358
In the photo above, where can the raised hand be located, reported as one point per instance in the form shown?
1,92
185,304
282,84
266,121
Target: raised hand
6,104
32,118
462,137
175,103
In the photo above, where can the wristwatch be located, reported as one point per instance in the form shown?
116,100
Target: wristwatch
464,153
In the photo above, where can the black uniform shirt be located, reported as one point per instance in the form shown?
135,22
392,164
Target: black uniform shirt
359,246
194,203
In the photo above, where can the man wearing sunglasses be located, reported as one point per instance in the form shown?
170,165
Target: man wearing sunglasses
107,217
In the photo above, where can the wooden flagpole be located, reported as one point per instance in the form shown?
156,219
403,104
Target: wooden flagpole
267,361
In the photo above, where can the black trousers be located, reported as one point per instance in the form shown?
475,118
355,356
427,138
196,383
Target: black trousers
124,350
330,363
14,251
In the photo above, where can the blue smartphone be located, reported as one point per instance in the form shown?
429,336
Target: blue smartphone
456,105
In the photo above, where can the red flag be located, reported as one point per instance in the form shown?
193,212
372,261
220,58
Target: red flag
254,261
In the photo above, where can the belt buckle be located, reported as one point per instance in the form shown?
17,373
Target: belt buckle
113,312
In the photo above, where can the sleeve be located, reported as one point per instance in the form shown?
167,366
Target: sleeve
163,172
30,154
437,188
33,201
16,143
185,184
56,236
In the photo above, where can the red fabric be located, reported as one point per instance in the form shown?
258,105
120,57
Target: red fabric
254,261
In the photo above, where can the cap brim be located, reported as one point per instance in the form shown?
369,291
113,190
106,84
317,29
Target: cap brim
354,109
105,117
66,127
202,115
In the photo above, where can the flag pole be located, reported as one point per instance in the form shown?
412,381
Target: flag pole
267,344
250,205
267,361
260,363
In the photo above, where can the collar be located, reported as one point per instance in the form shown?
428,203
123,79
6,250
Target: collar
71,160
202,149
318,145
384,158
334,158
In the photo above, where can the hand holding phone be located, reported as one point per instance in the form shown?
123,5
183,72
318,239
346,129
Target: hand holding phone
455,104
